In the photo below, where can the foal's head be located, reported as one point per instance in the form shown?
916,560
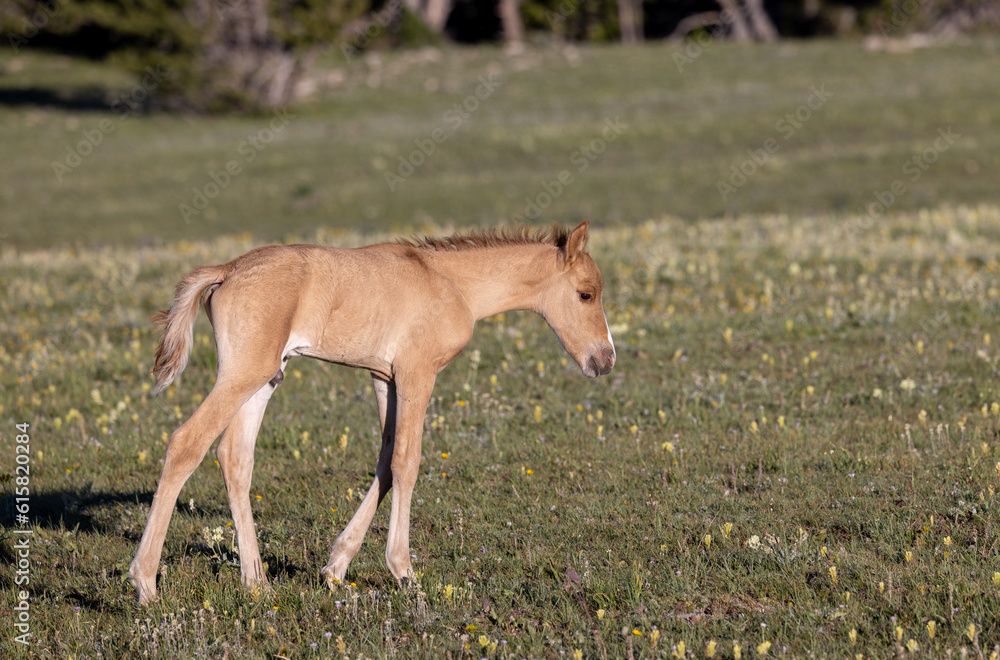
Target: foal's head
572,306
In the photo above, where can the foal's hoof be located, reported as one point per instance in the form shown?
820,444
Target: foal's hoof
145,590
331,580
409,584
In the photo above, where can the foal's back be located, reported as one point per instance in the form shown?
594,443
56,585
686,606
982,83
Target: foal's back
353,306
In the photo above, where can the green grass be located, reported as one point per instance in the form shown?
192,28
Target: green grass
687,127
824,382
831,394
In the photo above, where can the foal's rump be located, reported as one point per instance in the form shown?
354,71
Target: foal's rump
249,300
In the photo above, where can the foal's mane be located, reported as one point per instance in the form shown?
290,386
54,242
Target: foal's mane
479,239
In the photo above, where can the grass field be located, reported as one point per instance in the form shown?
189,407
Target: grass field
796,455
797,448
688,122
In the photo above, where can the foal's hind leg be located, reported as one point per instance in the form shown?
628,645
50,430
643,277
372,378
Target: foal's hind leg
235,454
349,541
187,448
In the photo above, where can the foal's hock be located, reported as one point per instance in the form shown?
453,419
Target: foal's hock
401,310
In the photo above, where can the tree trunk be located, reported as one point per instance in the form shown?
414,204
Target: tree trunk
241,61
732,16
630,20
762,25
513,27
434,13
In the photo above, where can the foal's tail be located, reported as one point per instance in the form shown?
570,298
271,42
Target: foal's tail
178,324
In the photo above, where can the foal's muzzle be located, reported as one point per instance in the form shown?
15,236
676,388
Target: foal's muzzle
600,361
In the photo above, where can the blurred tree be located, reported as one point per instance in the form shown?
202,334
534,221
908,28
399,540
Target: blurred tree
213,55
763,28
573,20
630,20
209,55
894,18
513,28
434,13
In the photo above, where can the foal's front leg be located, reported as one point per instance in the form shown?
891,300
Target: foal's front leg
414,394
349,541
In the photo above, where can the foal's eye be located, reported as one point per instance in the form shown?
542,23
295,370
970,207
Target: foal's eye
586,297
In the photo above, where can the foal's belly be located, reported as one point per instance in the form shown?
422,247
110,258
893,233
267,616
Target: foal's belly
354,340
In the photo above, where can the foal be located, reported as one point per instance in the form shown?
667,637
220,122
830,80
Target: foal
402,311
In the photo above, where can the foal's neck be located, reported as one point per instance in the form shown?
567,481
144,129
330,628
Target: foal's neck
498,279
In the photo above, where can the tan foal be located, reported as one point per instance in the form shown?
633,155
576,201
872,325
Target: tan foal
402,311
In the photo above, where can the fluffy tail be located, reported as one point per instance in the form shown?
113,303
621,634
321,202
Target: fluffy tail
178,324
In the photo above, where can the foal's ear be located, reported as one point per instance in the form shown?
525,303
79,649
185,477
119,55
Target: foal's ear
576,244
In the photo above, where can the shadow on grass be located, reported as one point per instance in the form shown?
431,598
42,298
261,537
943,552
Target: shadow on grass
81,98
69,509
78,511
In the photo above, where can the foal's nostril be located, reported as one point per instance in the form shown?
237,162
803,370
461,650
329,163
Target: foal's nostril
600,361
